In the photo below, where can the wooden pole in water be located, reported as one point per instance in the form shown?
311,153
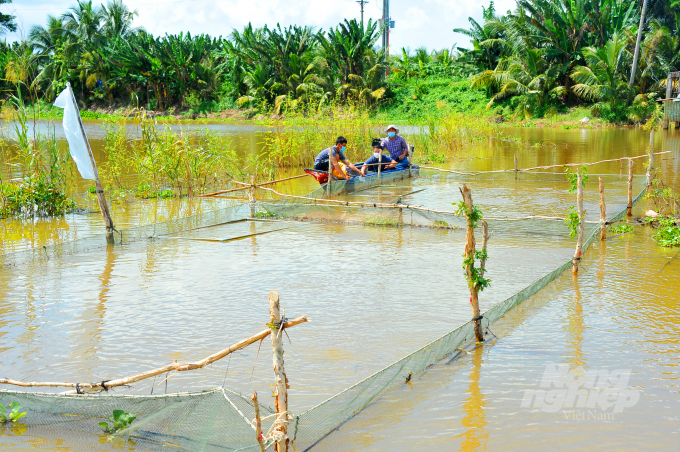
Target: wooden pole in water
99,189
379,166
603,212
631,165
470,263
281,382
258,421
251,197
330,174
580,228
650,166
516,169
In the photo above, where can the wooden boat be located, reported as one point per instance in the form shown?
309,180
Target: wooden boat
356,183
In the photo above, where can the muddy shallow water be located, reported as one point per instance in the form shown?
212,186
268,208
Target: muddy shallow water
374,294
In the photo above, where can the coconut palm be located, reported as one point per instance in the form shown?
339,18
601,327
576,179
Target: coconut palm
83,22
117,20
529,77
602,79
44,39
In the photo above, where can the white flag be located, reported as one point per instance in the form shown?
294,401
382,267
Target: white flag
74,135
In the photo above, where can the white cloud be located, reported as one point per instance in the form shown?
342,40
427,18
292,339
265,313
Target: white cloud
427,23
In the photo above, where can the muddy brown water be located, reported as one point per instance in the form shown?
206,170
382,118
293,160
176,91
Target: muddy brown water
375,294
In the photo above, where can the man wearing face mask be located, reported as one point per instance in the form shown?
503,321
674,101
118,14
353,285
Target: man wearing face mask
396,145
335,155
377,159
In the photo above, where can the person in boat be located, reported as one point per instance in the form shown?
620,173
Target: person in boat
335,155
378,159
396,145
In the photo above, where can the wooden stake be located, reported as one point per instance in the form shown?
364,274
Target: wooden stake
174,367
650,166
379,166
258,422
99,189
469,257
251,197
580,229
603,212
516,169
485,240
330,173
280,382
631,165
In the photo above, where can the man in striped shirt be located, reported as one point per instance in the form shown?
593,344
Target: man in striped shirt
396,145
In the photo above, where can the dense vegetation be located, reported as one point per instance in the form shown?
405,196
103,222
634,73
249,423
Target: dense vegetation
545,56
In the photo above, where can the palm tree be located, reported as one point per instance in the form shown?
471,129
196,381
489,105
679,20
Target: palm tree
45,39
117,19
83,21
602,79
530,78
487,39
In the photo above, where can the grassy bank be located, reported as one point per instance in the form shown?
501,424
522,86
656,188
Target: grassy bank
418,101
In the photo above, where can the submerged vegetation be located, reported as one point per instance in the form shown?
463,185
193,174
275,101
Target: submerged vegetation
44,171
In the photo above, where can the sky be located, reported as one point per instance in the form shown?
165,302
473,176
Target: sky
428,23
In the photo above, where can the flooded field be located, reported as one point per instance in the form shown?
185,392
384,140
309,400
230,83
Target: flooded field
374,294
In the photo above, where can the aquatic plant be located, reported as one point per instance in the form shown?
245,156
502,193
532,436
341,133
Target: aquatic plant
668,234
381,221
119,421
46,173
12,414
622,228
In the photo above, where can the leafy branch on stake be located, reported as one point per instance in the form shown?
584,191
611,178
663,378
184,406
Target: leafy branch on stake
476,279
474,276
573,219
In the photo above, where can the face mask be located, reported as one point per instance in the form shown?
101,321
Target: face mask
341,149
391,134
376,155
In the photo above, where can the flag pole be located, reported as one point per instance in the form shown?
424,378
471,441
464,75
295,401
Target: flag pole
103,206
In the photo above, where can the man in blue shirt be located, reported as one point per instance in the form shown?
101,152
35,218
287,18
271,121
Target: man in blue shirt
335,155
396,145
377,160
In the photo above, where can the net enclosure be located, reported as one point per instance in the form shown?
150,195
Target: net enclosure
220,419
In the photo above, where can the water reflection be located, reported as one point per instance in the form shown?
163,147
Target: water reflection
575,327
476,437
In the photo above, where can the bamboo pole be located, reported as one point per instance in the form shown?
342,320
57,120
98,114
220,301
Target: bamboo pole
470,263
99,189
631,165
281,381
485,240
516,167
650,166
246,186
580,228
176,367
603,212
379,167
258,422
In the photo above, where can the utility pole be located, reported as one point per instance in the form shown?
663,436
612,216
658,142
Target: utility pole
637,45
362,3
386,24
